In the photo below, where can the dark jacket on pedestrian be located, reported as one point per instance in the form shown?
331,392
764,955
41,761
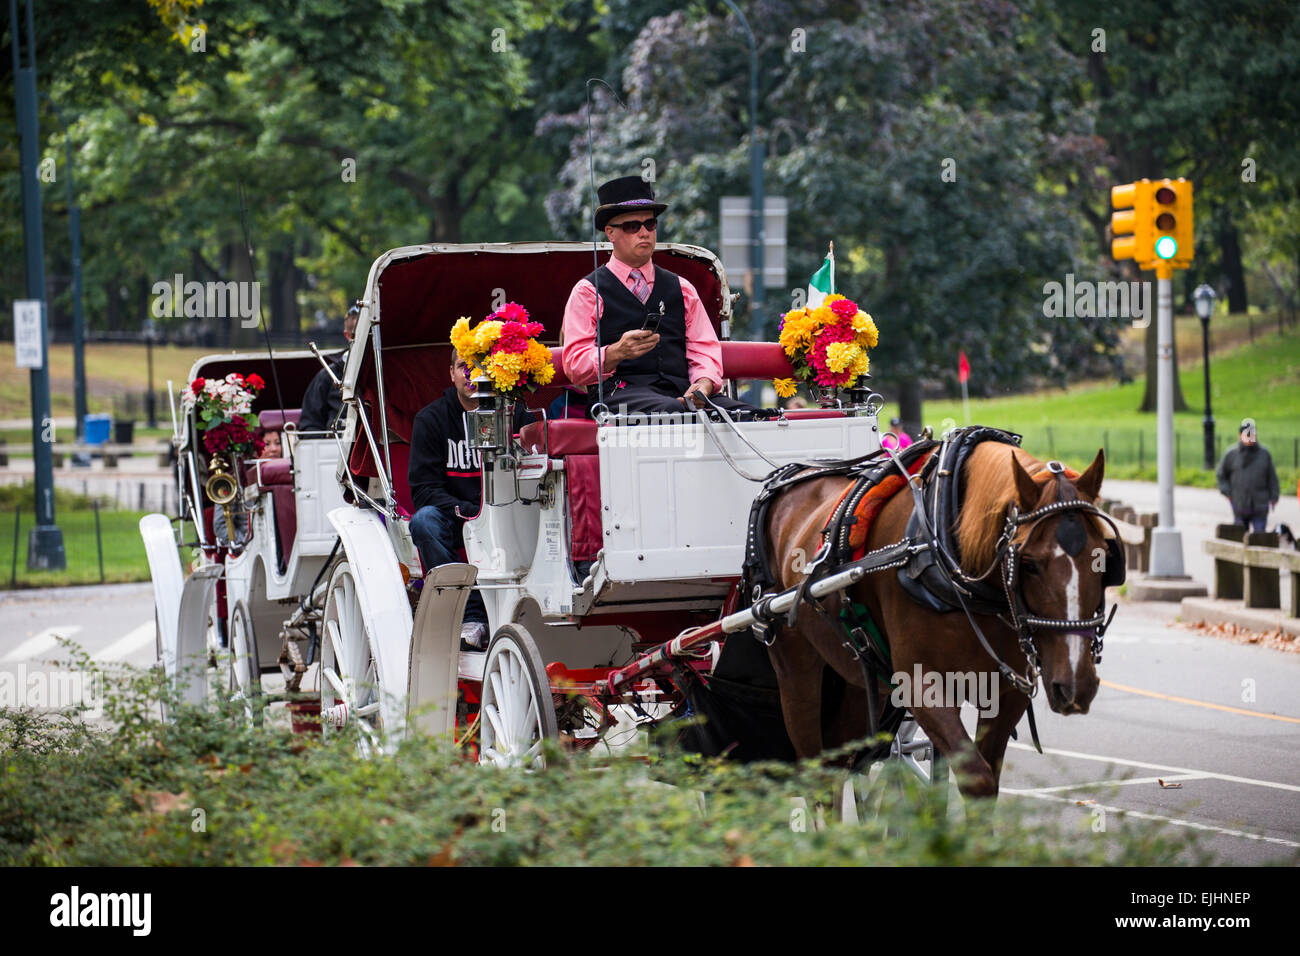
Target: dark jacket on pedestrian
444,471
322,401
1247,476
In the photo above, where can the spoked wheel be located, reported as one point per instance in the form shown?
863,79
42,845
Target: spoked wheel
349,679
243,676
879,788
517,712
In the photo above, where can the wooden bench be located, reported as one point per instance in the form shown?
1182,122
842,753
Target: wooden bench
1248,567
1137,555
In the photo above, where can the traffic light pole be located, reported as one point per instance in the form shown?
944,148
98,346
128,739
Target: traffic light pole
1166,539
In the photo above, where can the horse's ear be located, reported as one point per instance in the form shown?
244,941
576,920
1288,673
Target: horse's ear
1027,492
1089,483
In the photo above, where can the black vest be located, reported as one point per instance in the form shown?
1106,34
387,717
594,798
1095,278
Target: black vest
664,368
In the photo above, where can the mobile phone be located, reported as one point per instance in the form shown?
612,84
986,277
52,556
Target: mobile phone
651,323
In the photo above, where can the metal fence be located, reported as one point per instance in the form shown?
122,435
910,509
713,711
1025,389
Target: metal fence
1137,446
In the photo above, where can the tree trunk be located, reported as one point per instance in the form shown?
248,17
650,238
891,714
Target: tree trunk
1233,273
248,336
1149,391
909,405
283,291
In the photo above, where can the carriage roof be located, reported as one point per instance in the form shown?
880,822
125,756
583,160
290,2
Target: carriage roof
415,294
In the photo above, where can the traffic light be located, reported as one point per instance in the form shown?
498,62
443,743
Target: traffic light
1152,222
1164,218
1131,225
1183,220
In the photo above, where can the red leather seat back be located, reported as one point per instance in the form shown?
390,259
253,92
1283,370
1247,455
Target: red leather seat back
582,487
269,472
273,420
754,360
285,506
560,437
400,454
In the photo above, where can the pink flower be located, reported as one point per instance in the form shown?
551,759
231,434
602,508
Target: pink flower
844,308
513,312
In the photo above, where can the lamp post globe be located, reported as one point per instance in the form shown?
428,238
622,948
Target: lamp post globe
1203,299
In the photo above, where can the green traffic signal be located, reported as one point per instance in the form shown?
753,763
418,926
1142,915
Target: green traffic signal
1166,247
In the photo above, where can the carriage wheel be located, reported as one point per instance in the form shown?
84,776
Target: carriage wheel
517,712
349,680
243,683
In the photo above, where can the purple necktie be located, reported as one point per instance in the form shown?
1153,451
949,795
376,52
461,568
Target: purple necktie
639,287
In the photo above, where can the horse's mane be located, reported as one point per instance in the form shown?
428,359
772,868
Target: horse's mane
988,491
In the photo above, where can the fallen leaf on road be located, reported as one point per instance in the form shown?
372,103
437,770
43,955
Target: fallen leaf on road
1169,786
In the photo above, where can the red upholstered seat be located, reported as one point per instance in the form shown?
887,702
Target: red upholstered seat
754,360
268,472
400,453
560,437
273,420
794,414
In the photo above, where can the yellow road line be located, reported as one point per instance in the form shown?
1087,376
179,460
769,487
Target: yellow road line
1199,703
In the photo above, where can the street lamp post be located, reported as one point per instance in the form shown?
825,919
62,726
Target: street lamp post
757,228
78,319
1203,298
150,400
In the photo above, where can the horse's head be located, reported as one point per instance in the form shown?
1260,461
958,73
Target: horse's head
1063,558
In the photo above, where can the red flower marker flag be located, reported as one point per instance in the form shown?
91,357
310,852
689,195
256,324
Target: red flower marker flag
963,368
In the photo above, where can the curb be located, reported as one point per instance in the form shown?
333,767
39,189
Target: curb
1221,611
75,592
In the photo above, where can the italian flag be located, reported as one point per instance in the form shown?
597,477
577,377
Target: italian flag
822,283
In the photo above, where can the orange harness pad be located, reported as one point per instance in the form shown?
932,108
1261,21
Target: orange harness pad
872,502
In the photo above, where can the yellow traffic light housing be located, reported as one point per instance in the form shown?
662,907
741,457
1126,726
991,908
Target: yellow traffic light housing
1183,232
1164,201
1130,226
1152,224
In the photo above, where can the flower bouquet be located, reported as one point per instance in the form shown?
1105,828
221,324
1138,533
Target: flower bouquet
827,345
504,346
224,413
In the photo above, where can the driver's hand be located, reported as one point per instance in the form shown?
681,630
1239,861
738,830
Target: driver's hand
636,343
698,391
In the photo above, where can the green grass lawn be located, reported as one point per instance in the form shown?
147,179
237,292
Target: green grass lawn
124,556
1259,379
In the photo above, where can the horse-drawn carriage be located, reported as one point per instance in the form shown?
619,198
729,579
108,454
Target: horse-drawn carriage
608,552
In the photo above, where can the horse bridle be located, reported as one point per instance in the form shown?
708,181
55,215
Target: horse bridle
1007,556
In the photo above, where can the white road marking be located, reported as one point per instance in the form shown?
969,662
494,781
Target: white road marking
128,643
1156,817
42,642
1120,761
1171,778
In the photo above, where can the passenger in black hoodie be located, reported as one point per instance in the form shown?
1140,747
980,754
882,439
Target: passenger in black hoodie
445,475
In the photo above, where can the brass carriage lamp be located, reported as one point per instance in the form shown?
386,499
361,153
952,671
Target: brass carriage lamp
1203,299
489,434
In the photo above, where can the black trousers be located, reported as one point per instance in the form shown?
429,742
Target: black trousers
643,399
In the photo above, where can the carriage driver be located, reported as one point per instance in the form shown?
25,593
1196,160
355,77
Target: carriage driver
658,351
444,475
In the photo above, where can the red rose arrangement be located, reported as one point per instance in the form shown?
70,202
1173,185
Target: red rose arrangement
224,413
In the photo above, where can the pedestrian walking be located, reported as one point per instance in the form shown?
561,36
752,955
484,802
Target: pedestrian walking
1248,479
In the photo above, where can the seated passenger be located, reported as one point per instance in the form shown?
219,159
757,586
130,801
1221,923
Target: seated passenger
322,402
445,475
272,446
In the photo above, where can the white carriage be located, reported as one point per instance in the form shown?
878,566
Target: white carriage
606,551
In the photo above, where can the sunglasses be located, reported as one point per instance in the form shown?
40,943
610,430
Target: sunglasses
633,226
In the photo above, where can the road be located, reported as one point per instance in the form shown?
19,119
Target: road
1222,719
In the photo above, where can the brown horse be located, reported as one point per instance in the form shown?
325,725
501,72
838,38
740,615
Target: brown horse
1054,584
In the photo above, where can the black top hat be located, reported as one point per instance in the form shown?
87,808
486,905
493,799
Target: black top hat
626,194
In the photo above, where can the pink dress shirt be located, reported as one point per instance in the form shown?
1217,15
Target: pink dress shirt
703,353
